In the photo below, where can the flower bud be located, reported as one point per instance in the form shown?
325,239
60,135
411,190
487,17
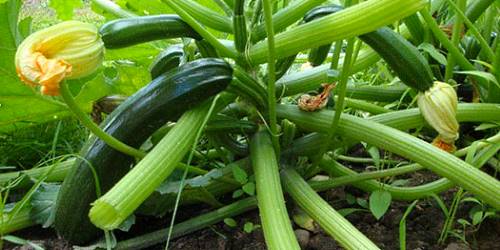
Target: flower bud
438,105
68,50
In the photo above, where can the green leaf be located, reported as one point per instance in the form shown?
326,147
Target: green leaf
488,76
145,7
362,202
43,203
433,52
130,78
239,174
380,200
20,106
230,222
477,217
237,193
249,188
65,8
93,90
139,53
374,154
249,227
485,126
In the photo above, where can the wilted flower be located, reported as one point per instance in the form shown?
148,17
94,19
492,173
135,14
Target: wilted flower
438,105
68,50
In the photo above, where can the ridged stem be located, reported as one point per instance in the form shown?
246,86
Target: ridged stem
57,173
205,15
96,130
240,26
110,210
347,176
271,75
286,16
442,163
455,39
365,106
180,8
356,20
321,212
306,80
21,219
278,232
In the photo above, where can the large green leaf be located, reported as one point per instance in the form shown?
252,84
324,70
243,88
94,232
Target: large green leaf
65,8
20,106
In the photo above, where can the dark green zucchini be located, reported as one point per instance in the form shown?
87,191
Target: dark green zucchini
130,31
283,64
318,55
162,100
404,58
166,60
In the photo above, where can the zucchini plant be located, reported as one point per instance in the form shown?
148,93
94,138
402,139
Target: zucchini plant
225,93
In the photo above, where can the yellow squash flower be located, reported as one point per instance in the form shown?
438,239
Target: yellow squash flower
438,105
68,50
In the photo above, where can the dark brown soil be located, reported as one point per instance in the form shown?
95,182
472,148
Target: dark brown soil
424,226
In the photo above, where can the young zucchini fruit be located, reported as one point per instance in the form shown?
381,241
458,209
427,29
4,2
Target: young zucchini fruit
318,55
130,31
166,60
164,99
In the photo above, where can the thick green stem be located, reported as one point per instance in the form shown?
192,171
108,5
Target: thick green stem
109,211
341,91
455,39
204,15
271,76
310,79
57,173
21,219
286,16
88,123
348,176
240,26
278,231
179,8
442,163
330,220
365,106
356,20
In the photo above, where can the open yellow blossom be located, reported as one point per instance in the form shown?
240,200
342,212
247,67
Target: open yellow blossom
67,50
438,105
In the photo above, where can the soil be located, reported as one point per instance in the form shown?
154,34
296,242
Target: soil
423,228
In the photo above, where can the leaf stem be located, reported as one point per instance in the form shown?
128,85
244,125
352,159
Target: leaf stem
88,123
271,64
225,51
455,38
